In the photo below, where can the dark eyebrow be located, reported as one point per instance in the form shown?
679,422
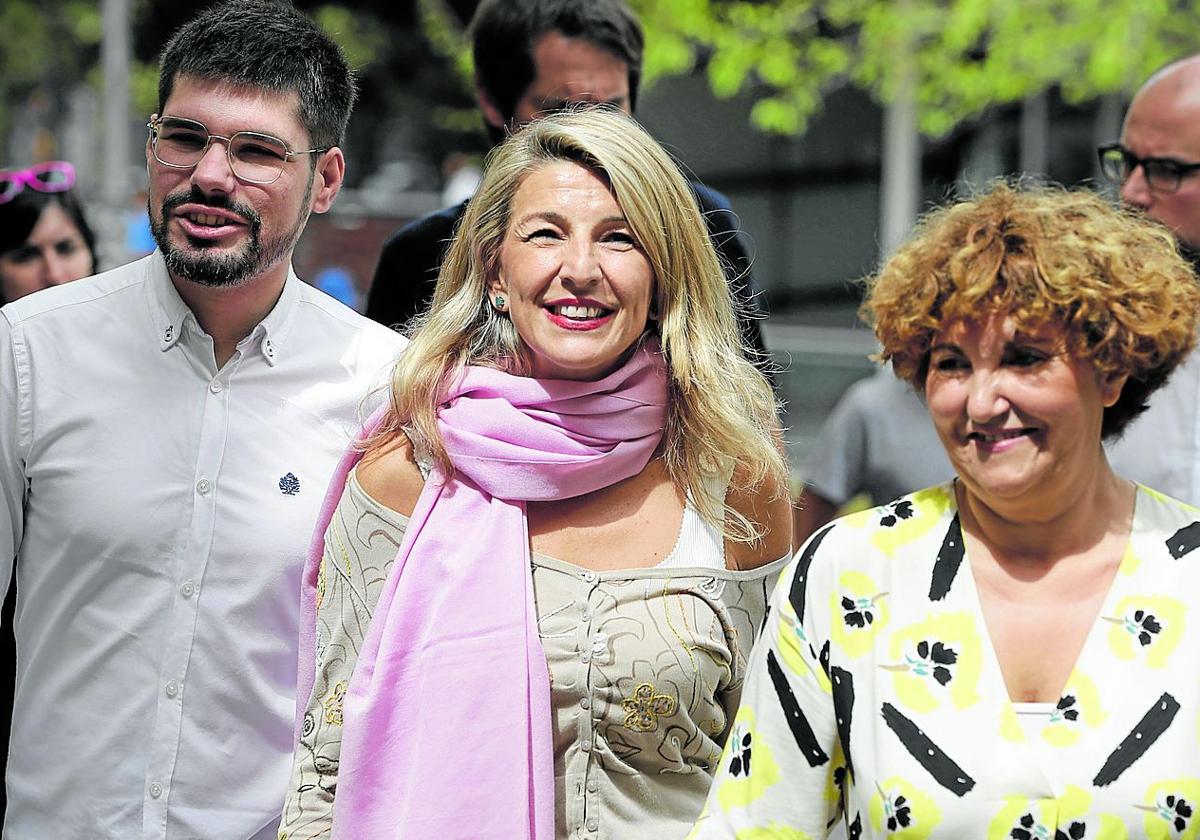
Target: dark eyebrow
945,346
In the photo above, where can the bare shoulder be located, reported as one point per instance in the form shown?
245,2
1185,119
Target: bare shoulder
769,505
389,474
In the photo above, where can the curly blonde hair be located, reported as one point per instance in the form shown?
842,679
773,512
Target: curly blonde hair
1110,279
721,409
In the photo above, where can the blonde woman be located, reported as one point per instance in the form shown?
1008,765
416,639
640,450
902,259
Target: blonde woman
538,588
1011,654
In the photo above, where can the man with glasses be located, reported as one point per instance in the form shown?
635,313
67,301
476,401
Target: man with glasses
167,430
1156,164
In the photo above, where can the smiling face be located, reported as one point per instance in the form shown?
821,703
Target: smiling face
54,253
214,229
576,283
1019,417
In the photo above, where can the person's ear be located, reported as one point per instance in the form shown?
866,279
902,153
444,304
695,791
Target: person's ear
1111,387
331,172
491,111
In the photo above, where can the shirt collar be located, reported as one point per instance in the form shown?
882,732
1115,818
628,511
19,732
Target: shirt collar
169,313
167,309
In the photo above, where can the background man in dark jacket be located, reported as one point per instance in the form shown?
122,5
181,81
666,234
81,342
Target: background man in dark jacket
534,57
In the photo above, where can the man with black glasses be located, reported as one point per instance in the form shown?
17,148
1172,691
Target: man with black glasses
167,430
1157,166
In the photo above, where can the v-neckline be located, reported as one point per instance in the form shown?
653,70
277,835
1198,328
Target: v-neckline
1095,631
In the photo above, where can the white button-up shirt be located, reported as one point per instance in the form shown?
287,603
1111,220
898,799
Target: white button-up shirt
159,510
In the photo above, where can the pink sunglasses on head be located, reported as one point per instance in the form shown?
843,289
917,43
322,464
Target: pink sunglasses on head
50,177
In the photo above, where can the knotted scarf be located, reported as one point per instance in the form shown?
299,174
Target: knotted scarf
447,729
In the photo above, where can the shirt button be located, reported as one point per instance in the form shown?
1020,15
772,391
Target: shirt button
172,688
586,746
589,577
585,614
203,486
187,589
155,790
585,657
585,703
215,386
592,824
593,786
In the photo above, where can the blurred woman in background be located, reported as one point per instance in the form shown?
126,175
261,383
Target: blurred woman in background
44,239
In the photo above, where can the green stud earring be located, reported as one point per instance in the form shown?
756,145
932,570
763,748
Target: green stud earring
499,302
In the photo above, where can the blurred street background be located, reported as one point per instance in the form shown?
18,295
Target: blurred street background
829,125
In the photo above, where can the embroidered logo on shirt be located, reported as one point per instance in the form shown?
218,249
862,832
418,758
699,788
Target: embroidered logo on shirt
289,485
645,708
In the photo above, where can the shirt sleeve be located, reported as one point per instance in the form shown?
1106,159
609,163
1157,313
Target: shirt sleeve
836,470
780,771
348,587
14,431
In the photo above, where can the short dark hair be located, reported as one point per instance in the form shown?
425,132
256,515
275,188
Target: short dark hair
20,216
503,32
266,44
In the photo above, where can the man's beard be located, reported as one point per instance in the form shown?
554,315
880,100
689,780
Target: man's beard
205,264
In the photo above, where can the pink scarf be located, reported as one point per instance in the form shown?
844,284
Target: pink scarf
448,731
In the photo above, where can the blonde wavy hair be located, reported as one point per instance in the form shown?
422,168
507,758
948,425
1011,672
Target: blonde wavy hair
1110,279
721,409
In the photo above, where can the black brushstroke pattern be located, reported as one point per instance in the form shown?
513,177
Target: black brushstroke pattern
797,722
843,708
1149,729
928,754
1184,541
949,558
800,581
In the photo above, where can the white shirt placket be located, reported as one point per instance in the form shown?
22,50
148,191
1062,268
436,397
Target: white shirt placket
189,570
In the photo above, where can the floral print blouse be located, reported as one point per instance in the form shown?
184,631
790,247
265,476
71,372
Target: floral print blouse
646,667
876,700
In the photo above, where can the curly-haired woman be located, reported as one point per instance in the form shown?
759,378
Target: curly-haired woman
1011,654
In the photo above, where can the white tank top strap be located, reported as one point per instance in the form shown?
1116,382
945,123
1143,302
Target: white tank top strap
701,543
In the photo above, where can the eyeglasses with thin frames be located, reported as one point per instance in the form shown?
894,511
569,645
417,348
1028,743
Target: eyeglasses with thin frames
254,157
1162,174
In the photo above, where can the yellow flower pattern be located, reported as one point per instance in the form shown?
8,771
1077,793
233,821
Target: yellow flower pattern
859,610
927,508
1171,810
937,659
739,787
893,660
899,809
1146,627
793,646
1080,706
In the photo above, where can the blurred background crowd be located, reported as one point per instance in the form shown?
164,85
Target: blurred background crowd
829,125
